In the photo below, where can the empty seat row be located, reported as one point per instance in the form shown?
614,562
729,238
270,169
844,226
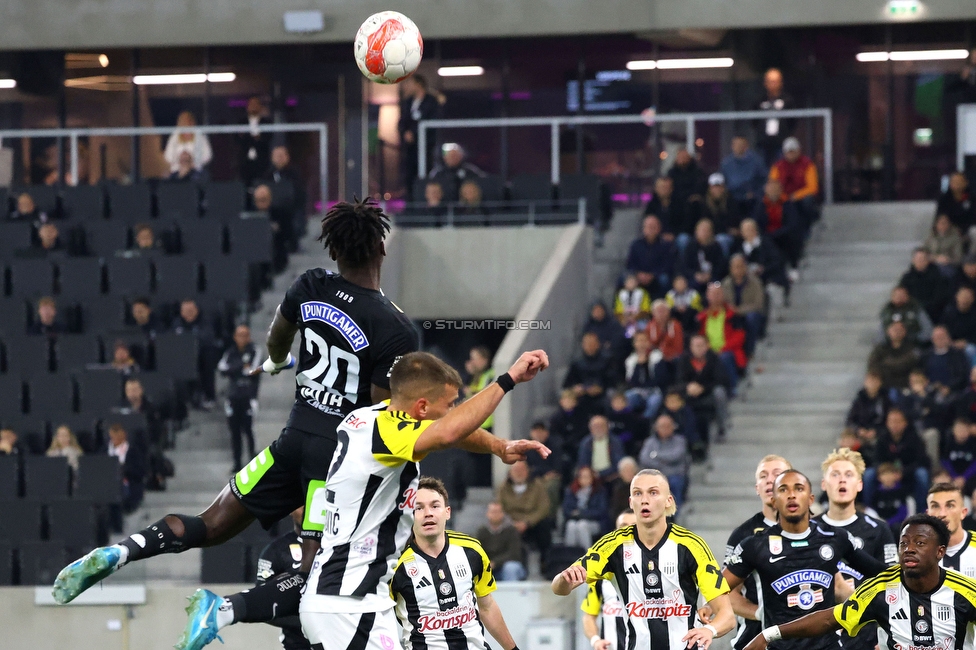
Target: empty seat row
32,563
26,481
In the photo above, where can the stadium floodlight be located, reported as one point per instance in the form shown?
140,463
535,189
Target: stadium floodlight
872,57
172,79
461,71
930,55
221,77
690,64
8,83
641,65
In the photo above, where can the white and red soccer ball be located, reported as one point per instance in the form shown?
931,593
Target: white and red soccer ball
388,47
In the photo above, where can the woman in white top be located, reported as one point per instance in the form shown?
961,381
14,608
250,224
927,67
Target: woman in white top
186,138
66,444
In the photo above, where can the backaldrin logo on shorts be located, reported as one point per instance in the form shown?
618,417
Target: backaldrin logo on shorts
251,473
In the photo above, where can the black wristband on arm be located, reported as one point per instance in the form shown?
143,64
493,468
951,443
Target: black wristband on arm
506,382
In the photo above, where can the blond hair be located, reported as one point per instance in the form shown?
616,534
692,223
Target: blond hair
844,453
669,510
769,458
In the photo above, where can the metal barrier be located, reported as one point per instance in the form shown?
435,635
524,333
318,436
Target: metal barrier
73,134
689,119
534,213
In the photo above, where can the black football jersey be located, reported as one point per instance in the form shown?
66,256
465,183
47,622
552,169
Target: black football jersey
351,337
284,555
875,538
796,574
754,525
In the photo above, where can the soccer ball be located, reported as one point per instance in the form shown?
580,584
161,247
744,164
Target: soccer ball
388,47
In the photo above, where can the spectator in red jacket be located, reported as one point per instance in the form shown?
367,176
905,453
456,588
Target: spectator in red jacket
798,176
781,221
725,332
665,332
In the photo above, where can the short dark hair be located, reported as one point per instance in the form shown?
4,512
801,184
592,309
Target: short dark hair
945,487
421,374
353,233
936,524
435,485
420,80
116,426
539,424
796,471
142,300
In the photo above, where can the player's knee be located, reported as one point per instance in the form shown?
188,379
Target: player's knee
190,531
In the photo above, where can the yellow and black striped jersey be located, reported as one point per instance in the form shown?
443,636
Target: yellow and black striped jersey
658,586
963,557
603,601
436,597
940,620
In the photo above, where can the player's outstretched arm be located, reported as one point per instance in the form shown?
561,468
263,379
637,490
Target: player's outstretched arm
467,418
720,623
591,630
280,336
564,583
806,627
510,451
491,616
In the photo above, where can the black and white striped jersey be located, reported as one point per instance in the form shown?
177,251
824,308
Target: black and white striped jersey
366,510
747,628
436,597
962,558
603,601
940,620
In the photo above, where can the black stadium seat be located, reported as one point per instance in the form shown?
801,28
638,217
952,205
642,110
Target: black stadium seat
226,563
176,278
83,202
103,314
11,395
129,276
20,521
75,351
40,562
14,236
31,278
104,238
176,356
226,278
99,390
531,187
46,478
6,564
130,203
250,238
202,239
13,316
9,477
75,523
223,200
51,396
28,356
45,197
80,278
99,479
178,201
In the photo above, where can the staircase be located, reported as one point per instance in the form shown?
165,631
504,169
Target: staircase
812,363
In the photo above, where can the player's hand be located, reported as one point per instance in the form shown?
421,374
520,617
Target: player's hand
602,644
272,368
527,366
698,636
515,450
705,614
758,643
574,576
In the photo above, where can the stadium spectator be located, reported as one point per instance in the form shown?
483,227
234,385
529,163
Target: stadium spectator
960,319
613,337
585,509
600,450
965,406
684,420
745,294
417,104
869,410
690,185
242,391
10,442
745,175
190,322
186,171
763,256
48,239
136,401
967,278
569,423
288,188
469,200
725,331
122,359
719,208
145,239
645,376
651,258
628,424
478,367
590,374
627,468
144,318
47,322
891,500
899,443
189,139
904,309
27,210
894,358
548,470
670,215
798,177
685,303
281,225
254,147
944,365
632,306
928,409
926,284
525,501
774,130
667,453
133,460
65,443
944,245
959,457
704,383
957,203
782,224
502,544
665,332
704,259
453,170
434,200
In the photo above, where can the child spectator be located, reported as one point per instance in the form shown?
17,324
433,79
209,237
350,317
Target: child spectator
585,509
685,302
645,375
944,245
891,502
630,427
632,306
959,457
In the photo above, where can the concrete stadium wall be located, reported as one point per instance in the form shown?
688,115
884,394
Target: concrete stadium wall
60,24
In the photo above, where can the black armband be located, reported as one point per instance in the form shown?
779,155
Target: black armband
506,383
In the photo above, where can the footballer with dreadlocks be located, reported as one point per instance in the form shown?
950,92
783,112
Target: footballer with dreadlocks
351,335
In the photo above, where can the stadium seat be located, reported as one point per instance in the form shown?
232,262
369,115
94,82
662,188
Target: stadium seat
40,562
14,236
9,477
130,203
103,314
20,521
79,278
46,478
75,351
50,396
13,316
492,188
31,278
85,427
202,239
224,564
176,278
159,388
573,187
6,564
99,479
176,356
135,424
531,187
226,279
250,238
73,522
83,202
11,395
223,200
28,356
45,197
99,390
178,201
104,238
4,203
129,277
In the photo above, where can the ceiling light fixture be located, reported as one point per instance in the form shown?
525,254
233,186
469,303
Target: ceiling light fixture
682,64
461,71
173,79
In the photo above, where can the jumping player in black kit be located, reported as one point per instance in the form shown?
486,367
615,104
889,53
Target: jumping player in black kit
351,335
796,561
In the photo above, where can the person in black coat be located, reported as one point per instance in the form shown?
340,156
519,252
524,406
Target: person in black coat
762,254
612,336
704,259
690,184
869,409
663,206
705,384
899,443
945,365
960,317
132,457
191,321
773,130
957,204
570,424
417,105
242,391
590,375
926,284
287,192
254,147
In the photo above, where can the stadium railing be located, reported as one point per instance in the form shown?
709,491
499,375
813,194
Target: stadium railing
514,213
555,123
